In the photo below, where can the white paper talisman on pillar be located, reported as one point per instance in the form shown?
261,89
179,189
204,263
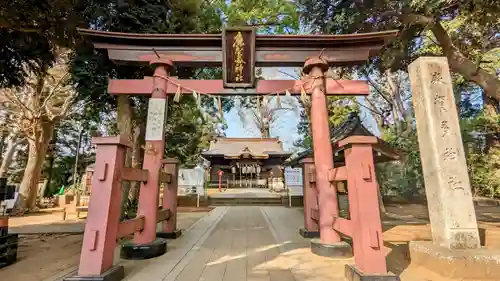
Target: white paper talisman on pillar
155,126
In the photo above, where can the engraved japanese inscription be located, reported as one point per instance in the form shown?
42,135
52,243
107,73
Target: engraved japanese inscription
436,73
439,100
238,57
449,154
455,183
445,128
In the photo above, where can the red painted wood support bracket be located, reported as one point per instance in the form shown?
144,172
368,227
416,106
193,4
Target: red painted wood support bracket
366,172
130,226
343,226
165,177
164,215
134,174
337,174
312,177
102,172
92,244
315,214
374,238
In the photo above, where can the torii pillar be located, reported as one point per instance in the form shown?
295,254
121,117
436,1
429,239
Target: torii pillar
146,244
329,243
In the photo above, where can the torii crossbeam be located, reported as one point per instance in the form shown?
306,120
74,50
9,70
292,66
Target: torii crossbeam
216,87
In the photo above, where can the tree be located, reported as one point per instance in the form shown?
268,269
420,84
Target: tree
389,99
276,16
11,138
13,141
43,101
466,32
31,32
265,113
338,110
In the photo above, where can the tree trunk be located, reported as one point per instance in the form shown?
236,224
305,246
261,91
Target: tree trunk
41,194
12,144
463,65
381,202
124,118
3,136
265,131
491,112
50,168
137,157
37,149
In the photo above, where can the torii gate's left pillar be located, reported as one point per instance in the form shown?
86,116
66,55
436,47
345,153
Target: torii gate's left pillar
146,244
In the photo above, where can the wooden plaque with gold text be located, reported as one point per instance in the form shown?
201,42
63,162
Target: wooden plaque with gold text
238,51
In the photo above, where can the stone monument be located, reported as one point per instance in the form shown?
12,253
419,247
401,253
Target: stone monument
447,185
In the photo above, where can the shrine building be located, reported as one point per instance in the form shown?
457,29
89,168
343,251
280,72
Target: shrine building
246,162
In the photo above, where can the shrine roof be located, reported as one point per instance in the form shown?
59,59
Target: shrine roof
352,127
256,148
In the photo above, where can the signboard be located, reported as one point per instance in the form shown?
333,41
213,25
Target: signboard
190,180
155,125
293,180
238,51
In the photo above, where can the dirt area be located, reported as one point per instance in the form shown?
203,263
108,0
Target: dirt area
47,256
415,226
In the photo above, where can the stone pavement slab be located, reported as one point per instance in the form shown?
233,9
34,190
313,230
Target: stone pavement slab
241,243
295,250
179,253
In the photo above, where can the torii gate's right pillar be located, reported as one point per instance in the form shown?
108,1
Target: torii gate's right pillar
329,243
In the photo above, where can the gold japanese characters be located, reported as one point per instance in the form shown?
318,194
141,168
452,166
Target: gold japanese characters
239,60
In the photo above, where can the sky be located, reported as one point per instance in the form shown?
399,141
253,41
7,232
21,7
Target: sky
286,129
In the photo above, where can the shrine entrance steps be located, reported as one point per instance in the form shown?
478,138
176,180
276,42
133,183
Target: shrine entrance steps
246,243
245,197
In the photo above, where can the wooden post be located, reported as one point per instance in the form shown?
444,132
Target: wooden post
311,227
368,244
169,227
323,154
101,228
153,155
220,173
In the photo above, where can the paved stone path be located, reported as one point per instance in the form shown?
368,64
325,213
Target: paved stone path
240,244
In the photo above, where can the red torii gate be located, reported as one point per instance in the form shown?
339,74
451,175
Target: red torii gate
163,52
